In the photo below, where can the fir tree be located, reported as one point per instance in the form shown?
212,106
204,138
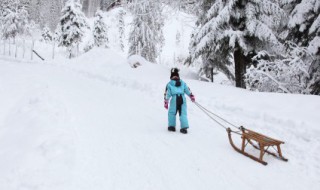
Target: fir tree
304,22
100,31
45,12
121,29
178,38
298,69
46,34
146,38
304,29
14,19
72,25
237,28
57,34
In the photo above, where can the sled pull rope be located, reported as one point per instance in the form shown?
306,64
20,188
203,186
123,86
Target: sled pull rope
207,112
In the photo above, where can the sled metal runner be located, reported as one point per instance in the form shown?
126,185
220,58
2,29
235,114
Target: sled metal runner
263,144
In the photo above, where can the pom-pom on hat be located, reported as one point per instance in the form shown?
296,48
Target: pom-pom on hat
174,73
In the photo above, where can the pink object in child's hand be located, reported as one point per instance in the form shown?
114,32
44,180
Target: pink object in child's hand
166,104
193,99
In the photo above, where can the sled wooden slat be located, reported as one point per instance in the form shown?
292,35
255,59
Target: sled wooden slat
264,137
260,138
263,142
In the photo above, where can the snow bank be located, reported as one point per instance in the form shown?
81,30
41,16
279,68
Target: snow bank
136,61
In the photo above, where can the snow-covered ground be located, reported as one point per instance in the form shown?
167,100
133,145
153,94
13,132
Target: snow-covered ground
95,123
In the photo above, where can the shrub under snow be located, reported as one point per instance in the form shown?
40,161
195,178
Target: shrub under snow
289,74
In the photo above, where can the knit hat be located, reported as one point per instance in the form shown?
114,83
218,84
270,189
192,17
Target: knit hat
174,73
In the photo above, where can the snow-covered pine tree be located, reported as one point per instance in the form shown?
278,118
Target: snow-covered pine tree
178,38
14,19
221,60
304,29
146,37
104,4
121,28
90,7
45,12
35,11
57,34
188,6
100,30
2,8
72,25
46,34
55,11
298,70
107,5
314,71
304,22
236,28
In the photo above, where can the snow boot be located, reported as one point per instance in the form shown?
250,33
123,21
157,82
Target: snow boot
184,131
173,129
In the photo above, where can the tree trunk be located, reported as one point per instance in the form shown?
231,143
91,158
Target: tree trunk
315,75
315,88
240,67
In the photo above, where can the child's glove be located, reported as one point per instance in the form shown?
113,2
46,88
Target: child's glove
193,99
166,104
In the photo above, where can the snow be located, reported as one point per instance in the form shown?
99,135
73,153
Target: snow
136,61
300,12
314,45
93,122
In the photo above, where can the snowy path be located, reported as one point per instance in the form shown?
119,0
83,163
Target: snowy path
103,126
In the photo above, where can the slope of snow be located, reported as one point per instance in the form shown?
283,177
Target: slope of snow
95,123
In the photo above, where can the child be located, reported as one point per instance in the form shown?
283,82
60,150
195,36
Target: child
175,90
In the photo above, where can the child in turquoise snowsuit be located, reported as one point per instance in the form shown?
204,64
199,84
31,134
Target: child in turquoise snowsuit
175,90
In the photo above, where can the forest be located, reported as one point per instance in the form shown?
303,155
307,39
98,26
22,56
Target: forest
268,45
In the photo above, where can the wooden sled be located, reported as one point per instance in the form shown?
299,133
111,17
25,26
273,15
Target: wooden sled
264,143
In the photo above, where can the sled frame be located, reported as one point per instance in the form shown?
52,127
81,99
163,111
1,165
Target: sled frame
262,143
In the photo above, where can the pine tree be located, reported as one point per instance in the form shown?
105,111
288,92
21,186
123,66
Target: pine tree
46,34
298,69
146,38
178,38
107,5
55,11
90,7
237,28
72,25
100,31
14,19
121,29
57,34
304,22
315,76
45,12
188,6
3,6
304,29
